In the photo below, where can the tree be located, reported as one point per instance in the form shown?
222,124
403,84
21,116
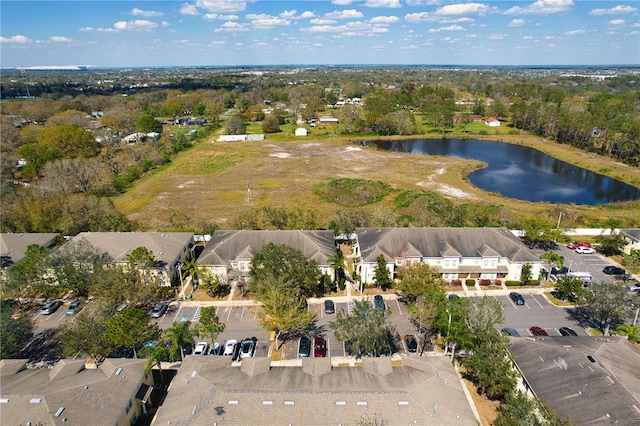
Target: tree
190,269
211,284
146,123
570,288
539,231
365,331
235,126
15,328
416,279
130,327
282,313
177,336
425,310
631,261
382,277
609,303
209,324
140,257
631,331
155,356
86,334
70,141
337,261
282,262
612,244
271,124
520,409
481,314
553,258
75,263
525,274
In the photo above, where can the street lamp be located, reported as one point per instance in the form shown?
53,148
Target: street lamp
179,268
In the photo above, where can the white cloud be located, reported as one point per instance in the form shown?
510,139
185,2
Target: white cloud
384,20
288,14
449,28
230,26
189,9
165,24
342,2
319,21
350,28
422,2
528,37
418,17
266,21
617,22
575,32
137,25
221,5
465,20
307,14
462,9
541,7
146,13
497,36
620,9
60,39
16,39
516,23
344,14
391,4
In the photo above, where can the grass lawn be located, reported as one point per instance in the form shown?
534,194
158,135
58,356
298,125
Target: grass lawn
210,181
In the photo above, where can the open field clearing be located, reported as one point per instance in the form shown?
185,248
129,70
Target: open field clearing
215,181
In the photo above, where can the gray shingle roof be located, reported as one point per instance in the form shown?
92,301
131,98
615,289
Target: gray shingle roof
559,371
14,246
439,242
166,246
89,396
208,390
243,245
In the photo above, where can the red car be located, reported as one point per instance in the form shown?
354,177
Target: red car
538,331
575,245
319,347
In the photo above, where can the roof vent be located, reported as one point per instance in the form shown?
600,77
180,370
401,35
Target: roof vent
4,400
60,410
35,400
590,358
118,371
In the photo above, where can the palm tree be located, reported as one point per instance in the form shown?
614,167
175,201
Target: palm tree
631,331
155,357
190,269
458,336
553,257
178,335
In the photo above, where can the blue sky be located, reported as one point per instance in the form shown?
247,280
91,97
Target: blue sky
265,32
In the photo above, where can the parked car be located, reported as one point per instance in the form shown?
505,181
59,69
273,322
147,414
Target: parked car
329,307
378,302
248,347
566,331
538,331
319,347
230,347
50,307
304,349
412,343
159,310
453,297
613,270
562,271
585,250
202,348
216,349
507,331
633,287
73,308
574,245
517,298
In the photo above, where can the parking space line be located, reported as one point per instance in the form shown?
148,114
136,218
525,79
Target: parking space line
242,313
177,314
196,314
399,308
534,298
229,315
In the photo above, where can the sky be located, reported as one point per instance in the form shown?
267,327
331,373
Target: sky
326,32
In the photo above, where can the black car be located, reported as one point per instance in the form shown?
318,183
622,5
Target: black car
378,302
329,307
613,270
304,350
566,331
517,298
453,297
412,343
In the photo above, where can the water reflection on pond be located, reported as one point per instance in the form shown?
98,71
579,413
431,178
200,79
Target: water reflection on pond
523,173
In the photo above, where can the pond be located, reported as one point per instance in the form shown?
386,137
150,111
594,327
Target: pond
523,173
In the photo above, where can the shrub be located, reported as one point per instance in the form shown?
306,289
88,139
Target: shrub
512,283
470,283
534,282
456,282
485,282
497,282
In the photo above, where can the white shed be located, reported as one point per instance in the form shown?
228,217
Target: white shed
301,131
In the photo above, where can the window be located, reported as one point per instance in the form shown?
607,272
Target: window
129,405
450,262
450,276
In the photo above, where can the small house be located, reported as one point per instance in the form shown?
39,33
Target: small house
492,122
301,131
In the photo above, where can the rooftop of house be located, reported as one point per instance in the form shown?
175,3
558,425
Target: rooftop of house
590,380
207,390
14,246
166,246
243,245
394,243
88,396
632,233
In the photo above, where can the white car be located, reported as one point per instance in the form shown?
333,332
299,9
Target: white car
201,348
230,347
585,250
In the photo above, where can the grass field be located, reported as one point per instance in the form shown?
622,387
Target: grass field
215,181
